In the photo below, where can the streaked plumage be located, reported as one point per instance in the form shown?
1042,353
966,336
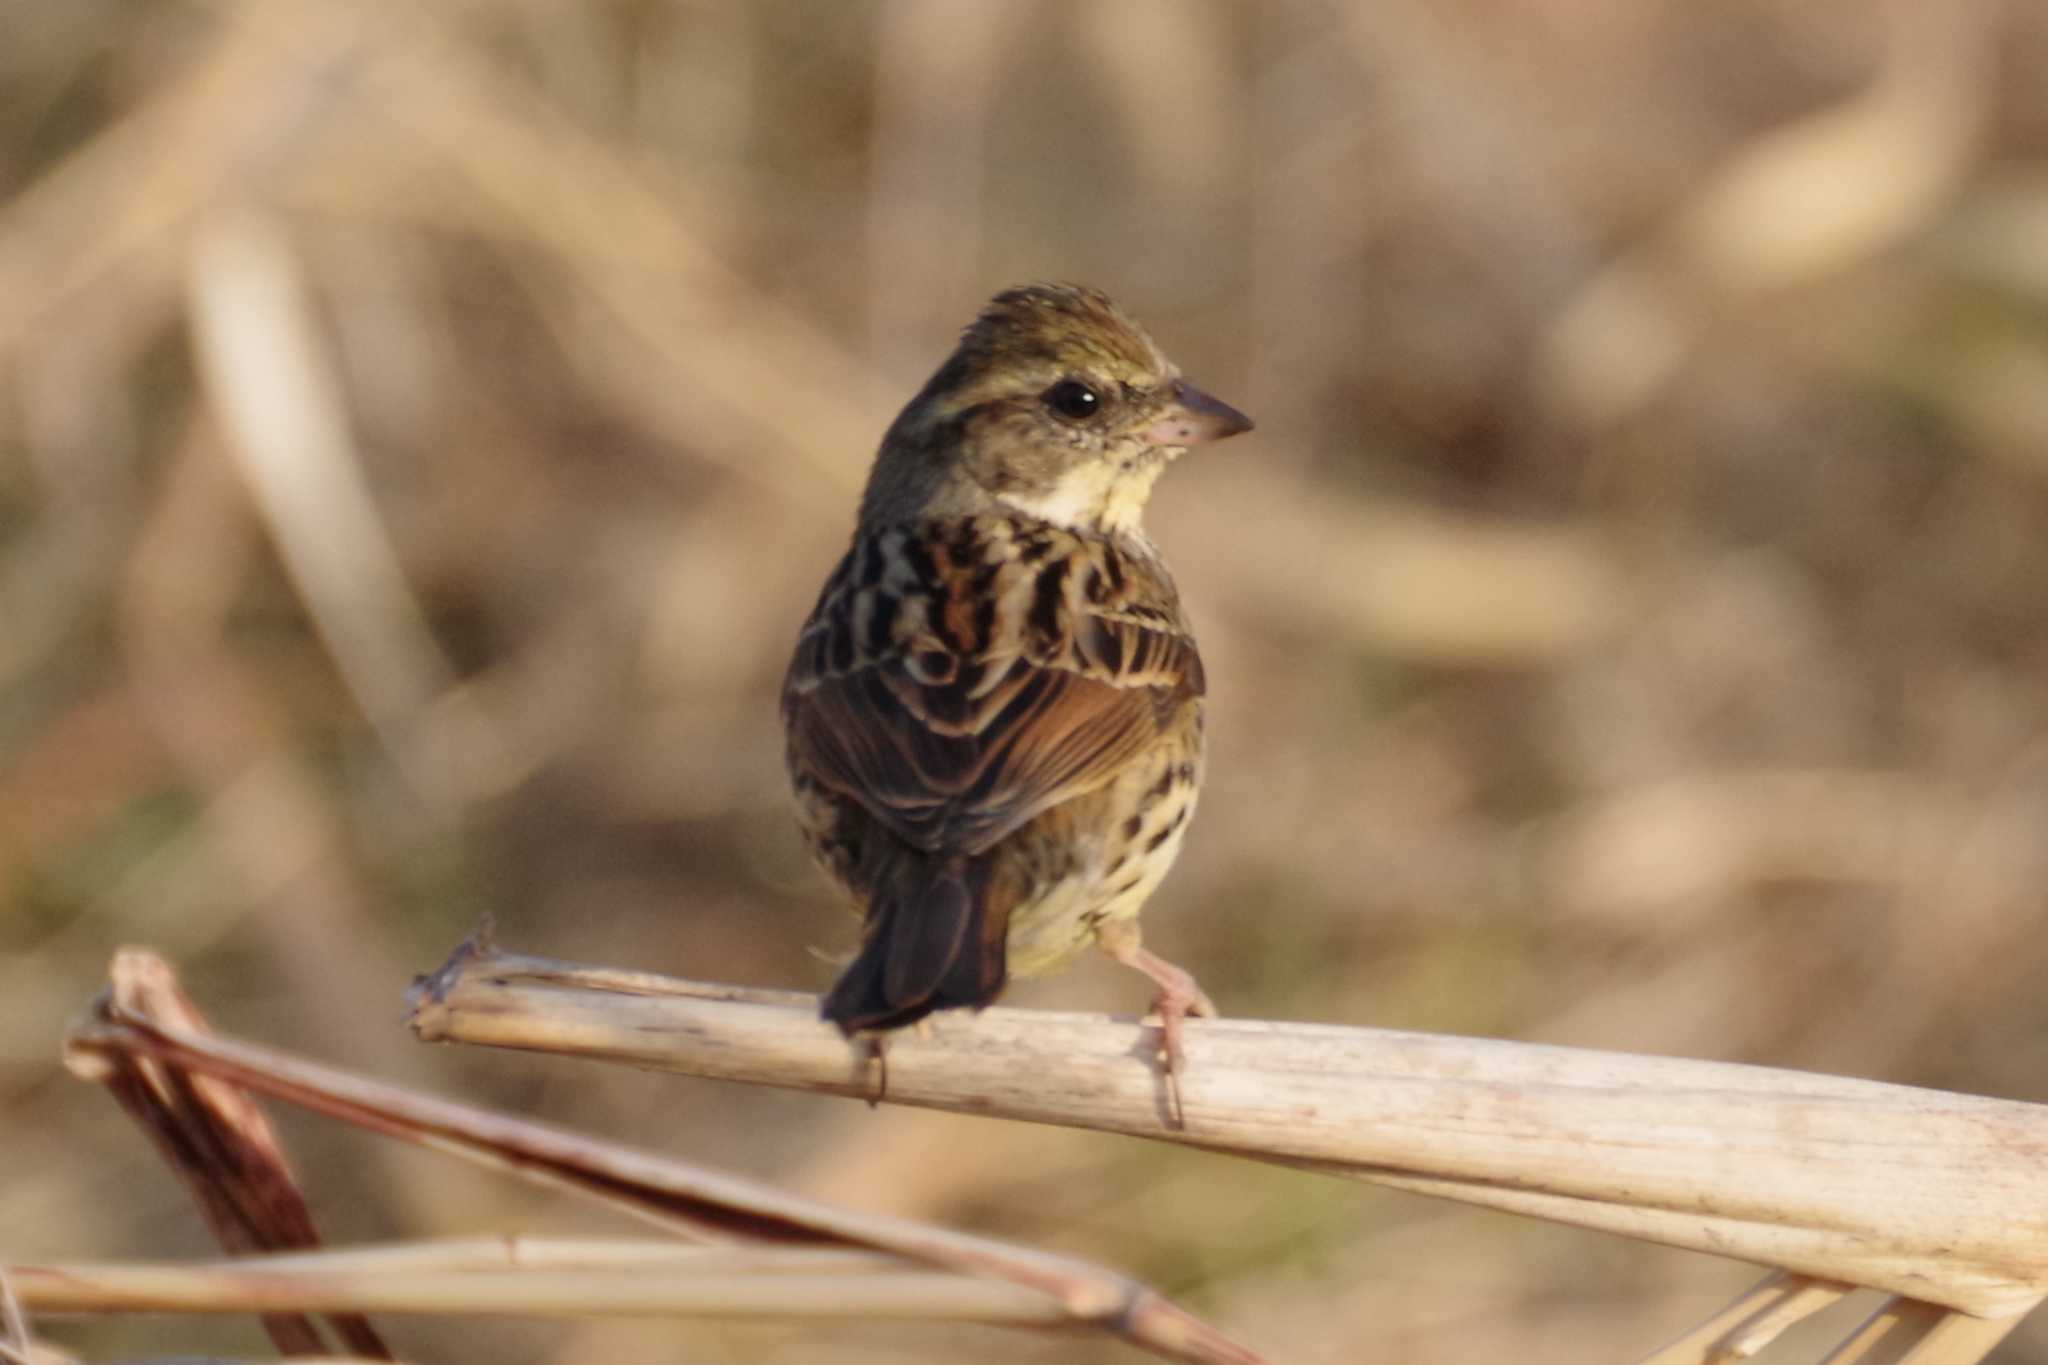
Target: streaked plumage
995,710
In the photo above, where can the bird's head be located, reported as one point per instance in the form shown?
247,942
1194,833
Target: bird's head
1055,405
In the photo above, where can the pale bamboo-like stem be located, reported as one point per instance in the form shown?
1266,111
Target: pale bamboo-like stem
276,1284
451,1254
1909,1190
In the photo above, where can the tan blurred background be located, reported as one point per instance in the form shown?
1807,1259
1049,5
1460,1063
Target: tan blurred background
422,429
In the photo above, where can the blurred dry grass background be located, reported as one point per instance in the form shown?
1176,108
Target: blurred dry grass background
424,427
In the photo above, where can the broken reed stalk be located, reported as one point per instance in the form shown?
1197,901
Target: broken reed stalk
222,1144
1934,1196
1899,1331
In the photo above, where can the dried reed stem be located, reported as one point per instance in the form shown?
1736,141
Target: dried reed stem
276,1284
1845,1180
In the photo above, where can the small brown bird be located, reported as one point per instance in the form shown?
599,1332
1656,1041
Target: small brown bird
995,710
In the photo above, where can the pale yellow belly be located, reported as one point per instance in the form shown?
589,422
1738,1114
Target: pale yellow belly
1119,843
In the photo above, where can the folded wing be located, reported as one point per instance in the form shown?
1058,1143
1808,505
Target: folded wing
957,680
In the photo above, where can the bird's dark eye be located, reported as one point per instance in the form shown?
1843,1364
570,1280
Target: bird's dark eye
1073,400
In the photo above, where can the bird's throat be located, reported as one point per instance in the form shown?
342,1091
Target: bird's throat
1100,497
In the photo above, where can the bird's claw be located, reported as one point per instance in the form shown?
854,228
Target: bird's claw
1171,1007
877,1060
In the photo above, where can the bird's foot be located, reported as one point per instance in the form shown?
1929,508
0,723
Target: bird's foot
1179,996
876,1060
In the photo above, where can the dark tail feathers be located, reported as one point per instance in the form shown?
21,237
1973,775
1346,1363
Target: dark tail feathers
929,944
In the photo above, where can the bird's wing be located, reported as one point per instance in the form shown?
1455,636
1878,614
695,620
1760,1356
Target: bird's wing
958,678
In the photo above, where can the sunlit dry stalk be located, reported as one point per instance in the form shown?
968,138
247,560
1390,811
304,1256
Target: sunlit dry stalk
272,1285
450,1254
1854,1181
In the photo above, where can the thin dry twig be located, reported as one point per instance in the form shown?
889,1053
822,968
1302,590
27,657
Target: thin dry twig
682,1198
1751,1322
1909,1332
15,1346
1855,1181
276,1283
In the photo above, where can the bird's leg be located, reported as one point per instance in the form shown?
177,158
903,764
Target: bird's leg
874,1049
877,1048
1178,997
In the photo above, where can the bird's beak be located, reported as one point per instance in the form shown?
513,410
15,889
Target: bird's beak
1193,418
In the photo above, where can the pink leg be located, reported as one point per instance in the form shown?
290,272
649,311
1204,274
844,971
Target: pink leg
1178,997
877,1059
